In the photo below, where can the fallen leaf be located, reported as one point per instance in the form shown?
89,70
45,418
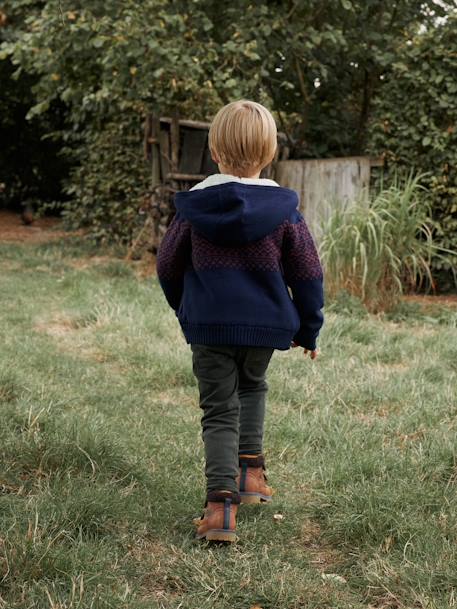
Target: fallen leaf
278,517
334,577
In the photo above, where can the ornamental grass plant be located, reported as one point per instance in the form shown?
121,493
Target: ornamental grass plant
381,248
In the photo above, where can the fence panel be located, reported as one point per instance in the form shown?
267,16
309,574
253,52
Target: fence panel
323,184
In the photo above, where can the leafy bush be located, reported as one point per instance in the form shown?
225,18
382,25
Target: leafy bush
31,166
105,186
414,125
106,64
376,250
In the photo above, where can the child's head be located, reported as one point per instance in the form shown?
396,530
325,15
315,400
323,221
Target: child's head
242,138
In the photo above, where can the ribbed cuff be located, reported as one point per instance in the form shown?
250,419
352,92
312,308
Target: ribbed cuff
305,341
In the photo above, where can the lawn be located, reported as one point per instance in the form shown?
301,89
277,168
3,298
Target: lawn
101,461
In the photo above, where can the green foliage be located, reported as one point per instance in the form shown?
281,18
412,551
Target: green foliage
415,125
31,167
110,63
106,63
137,56
106,184
321,62
331,56
419,313
376,249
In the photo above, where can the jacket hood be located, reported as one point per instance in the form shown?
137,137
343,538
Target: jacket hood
234,213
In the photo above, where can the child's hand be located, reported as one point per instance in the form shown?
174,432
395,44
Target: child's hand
312,354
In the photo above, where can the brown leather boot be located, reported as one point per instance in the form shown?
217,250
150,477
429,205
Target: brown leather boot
218,522
252,480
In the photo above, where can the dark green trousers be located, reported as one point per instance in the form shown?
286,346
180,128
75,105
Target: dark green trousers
232,387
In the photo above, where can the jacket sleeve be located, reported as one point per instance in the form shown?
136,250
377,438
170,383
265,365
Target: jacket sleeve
173,257
303,274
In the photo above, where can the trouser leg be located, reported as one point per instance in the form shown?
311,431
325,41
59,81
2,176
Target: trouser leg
252,389
217,374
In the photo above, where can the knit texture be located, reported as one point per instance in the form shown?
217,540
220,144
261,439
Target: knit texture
227,261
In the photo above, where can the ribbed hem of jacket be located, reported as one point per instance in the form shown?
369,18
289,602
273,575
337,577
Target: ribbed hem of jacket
249,336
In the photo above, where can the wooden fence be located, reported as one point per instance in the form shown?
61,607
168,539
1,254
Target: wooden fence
323,184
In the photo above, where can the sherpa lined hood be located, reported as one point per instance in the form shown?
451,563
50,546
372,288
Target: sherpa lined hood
235,213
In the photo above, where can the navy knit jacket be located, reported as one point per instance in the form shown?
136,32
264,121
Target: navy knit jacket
226,263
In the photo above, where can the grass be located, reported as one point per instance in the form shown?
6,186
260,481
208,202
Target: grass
374,249
101,462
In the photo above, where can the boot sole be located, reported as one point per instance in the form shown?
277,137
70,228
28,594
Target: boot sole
254,498
218,535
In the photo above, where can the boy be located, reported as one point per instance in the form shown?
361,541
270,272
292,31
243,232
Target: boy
236,244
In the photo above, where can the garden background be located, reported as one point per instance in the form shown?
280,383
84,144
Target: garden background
101,464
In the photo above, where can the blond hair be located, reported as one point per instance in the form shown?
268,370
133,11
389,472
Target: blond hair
243,136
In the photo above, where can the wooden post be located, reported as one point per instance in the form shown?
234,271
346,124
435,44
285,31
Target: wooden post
174,133
174,142
324,185
164,140
146,138
155,151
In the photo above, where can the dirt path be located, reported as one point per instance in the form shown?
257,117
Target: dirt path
12,229
449,300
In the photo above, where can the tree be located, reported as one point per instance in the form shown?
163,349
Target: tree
31,166
414,123
318,65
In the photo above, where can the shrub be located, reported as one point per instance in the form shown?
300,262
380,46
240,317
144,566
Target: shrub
376,250
106,185
414,125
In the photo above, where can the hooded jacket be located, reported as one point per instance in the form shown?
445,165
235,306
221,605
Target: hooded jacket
227,260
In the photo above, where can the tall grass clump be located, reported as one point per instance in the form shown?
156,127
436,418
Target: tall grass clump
380,248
